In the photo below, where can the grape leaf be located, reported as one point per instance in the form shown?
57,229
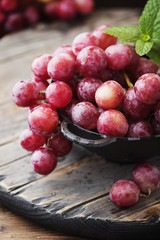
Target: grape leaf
126,33
142,47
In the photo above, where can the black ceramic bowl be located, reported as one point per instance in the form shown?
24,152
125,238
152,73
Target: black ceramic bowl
117,149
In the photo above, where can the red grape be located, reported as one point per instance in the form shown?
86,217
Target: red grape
113,123
147,88
59,143
66,9
146,175
51,9
58,94
14,22
84,6
83,40
39,66
67,111
133,108
85,114
124,193
86,89
104,40
43,119
30,141
64,49
119,56
8,5
24,93
140,129
31,15
62,67
109,95
91,61
43,161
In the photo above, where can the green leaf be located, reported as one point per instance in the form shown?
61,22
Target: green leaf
142,47
156,37
126,33
146,27
151,9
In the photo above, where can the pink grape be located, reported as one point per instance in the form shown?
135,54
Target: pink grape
58,94
43,161
40,86
140,129
104,40
147,88
113,123
83,40
133,108
9,5
109,95
124,193
62,67
14,22
43,119
91,61
119,56
86,89
31,15
51,9
30,141
59,143
66,9
24,93
85,114
84,6
146,175
39,66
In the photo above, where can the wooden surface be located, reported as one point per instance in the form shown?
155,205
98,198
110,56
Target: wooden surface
74,199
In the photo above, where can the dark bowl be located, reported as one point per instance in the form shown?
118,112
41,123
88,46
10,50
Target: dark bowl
117,149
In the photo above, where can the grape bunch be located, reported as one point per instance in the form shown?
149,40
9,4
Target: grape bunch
98,84
18,14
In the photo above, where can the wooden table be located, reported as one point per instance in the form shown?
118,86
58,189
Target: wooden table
74,198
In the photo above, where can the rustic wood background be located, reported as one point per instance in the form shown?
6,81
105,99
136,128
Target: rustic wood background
75,198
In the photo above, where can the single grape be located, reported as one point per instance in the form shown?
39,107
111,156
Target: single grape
91,61
31,15
43,119
140,129
62,67
51,9
66,10
113,123
43,161
83,40
144,66
30,141
124,193
24,93
14,22
59,143
109,95
8,5
84,6
146,175
104,40
85,114
58,94
119,56
39,66
133,108
86,89
147,88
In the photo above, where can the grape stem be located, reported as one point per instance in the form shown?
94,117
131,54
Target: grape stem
130,85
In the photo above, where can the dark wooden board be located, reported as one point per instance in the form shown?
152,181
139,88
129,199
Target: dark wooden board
75,197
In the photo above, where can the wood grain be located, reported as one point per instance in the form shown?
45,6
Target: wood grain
75,198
